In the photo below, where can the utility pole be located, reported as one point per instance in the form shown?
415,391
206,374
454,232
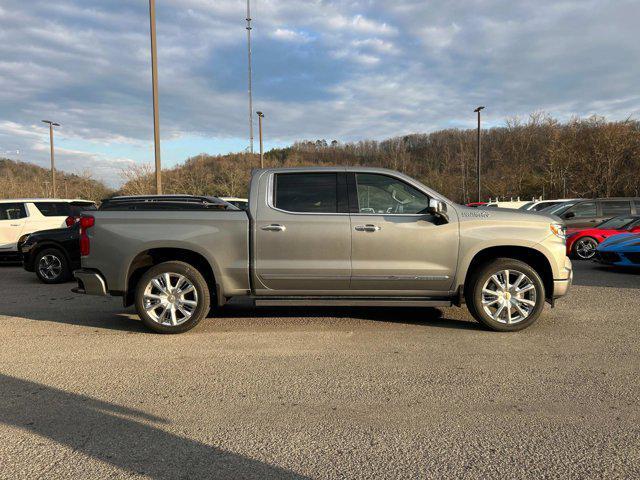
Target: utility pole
154,86
53,167
477,110
249,60
260,117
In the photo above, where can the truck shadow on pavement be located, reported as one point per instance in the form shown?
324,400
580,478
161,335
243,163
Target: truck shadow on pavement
426,316
117,435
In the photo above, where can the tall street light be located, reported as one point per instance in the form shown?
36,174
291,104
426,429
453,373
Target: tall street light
478,154
154,86
53,168
249,88
260,117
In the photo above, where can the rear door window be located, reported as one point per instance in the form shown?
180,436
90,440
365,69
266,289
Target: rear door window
615,208
307,192
12,211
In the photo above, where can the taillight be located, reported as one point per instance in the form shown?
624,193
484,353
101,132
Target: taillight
86,222
70,221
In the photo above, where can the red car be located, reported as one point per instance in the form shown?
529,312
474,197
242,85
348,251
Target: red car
476,204
582,244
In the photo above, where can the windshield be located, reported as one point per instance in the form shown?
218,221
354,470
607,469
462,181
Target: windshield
617,223
543,205
526,205
558,209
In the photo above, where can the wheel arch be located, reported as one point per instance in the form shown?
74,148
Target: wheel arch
146,259
531,256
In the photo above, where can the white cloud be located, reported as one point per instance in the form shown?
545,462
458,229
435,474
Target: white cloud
288,35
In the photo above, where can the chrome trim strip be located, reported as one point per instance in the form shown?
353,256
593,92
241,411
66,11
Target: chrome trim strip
294,276
402,277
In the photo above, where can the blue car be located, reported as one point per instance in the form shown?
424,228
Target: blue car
621,250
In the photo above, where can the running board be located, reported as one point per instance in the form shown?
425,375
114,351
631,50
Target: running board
352,301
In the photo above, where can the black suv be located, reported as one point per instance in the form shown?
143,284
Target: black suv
589,213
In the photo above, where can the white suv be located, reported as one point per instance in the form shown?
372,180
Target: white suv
20,217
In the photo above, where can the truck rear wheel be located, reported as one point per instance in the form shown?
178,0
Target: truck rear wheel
172,297
506,295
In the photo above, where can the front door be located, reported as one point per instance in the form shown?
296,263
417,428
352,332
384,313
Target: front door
582,215
302,235
396,246
12,220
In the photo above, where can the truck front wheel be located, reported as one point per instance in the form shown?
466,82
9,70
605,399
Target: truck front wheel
172,297
505,295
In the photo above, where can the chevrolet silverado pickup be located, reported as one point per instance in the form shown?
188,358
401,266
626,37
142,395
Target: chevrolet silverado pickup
324,236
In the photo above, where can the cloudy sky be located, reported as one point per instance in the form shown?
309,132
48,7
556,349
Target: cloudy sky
344,70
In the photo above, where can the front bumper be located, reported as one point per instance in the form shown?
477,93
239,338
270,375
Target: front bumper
561,286
90,282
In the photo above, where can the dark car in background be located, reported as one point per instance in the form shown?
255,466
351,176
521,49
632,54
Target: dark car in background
592,212
52,254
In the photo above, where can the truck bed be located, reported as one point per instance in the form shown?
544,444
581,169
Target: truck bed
120,238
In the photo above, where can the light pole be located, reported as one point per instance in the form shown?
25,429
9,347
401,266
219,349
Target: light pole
154,87
478,154
53,168
249,63
260,117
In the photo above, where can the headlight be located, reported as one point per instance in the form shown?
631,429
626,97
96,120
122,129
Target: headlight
558,230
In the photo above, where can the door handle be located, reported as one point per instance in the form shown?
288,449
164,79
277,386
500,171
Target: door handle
14,224
274,227
367,228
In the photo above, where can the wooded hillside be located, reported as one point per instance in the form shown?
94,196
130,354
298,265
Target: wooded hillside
582,158
23,180
589,157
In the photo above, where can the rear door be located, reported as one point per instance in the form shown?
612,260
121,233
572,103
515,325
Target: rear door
302,235
13,217
614,208
397,248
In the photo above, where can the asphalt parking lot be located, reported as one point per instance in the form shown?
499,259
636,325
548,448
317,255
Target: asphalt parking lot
87,392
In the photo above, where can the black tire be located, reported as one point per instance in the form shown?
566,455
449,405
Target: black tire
575,253
474,294
202,299
51,266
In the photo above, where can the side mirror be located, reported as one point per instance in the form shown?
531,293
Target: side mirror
438,208
569,215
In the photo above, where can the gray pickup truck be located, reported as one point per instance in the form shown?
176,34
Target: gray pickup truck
324,236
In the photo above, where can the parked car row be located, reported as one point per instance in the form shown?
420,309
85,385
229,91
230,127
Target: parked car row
589,223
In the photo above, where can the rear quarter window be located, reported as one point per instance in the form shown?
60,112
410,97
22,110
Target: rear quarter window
616,207
54,209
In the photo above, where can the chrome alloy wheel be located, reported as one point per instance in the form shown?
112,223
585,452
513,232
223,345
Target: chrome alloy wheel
586,248
170,299
509,296
50,267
